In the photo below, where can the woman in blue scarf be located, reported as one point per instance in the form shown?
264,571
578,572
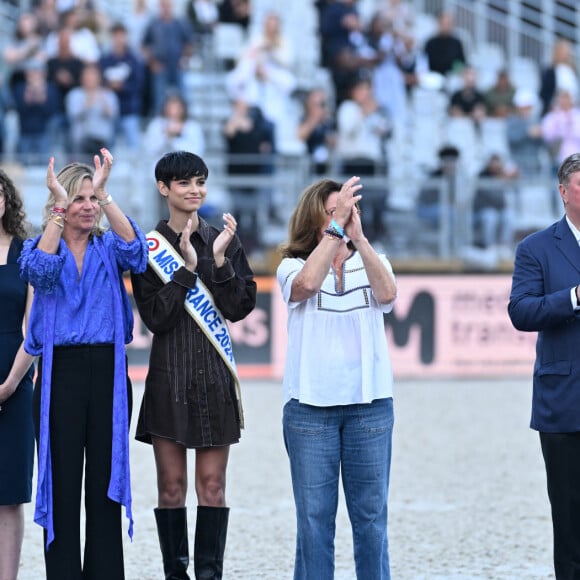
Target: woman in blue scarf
81,320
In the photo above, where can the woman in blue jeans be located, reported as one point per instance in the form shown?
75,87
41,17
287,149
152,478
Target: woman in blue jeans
338,382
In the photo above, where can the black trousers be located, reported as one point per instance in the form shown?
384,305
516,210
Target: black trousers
81,407
561,453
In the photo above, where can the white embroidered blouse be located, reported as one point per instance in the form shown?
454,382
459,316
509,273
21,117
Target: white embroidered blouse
337,351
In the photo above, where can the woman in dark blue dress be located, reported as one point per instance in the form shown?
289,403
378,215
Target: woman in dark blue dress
16,425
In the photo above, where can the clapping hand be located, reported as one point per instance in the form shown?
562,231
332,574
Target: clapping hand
346,200
353,228
187,250
102,171
222,242
54,186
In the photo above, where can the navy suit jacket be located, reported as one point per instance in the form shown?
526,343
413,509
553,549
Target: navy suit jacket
547,266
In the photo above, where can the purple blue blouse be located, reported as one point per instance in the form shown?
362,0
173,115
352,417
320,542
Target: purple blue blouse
92,308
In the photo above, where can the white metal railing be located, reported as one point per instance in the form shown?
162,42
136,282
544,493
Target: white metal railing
521,28
407,235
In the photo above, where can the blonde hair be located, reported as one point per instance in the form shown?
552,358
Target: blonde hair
71,177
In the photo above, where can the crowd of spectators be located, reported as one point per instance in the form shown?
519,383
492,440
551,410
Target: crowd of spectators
88,82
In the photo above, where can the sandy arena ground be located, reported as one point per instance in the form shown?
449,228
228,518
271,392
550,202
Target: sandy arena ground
467,499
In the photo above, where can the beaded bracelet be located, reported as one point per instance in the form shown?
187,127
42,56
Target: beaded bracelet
58,210
338,228
332,237
331,231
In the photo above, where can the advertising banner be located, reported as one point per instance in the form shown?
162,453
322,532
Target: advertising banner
441,326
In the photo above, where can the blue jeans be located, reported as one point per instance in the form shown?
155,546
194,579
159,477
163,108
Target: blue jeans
321,442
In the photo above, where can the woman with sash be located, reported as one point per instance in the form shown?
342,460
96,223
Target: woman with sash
197,278
338,382
80,322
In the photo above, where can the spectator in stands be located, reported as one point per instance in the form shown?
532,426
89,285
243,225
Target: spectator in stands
26,46
94,19
64,72
468,101
345,50
173,129
320,6
263,75
83,41
561,133
429,207
561,127
388,76
494,218
47,16
499,98
401,15
337,21
36,101
124,73
408,60
136,23
560,74
248,132
236,12
92,111
271,44
444,50
524,134
203,15
363,129
167,45
5,104
317,129
250,140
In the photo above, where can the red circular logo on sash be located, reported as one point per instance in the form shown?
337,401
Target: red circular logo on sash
153,244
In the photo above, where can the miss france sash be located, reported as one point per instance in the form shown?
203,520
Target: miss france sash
199,304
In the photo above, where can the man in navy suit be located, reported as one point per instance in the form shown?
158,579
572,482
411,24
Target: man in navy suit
545,298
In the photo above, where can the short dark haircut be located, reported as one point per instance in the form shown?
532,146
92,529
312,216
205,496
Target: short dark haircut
177,165
569,166
118,27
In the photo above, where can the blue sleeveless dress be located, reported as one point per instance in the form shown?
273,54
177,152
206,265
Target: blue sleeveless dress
16,424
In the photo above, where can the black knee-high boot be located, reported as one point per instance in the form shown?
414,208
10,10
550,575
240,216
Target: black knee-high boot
211,530
172,530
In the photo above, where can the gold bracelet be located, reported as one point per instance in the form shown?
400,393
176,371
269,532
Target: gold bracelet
58,220
105,201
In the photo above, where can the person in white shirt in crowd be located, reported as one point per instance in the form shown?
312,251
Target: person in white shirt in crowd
388,76
173,129
263,75
363,128
92,111
560,74
83,41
